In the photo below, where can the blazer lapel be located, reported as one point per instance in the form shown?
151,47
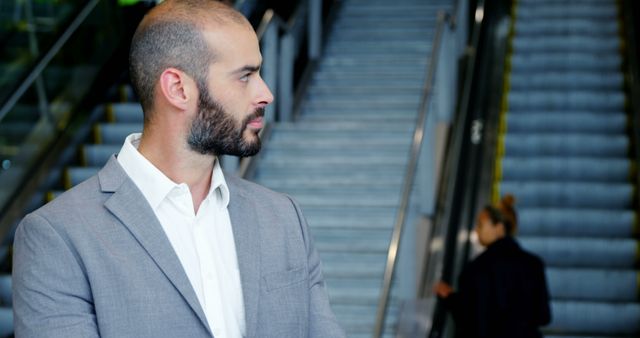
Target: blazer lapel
246,233
129,205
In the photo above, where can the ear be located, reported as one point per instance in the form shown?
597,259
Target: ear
177,88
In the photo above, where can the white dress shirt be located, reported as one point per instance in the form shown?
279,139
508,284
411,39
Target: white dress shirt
203,241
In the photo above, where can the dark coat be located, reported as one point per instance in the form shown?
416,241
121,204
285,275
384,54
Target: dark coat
501,293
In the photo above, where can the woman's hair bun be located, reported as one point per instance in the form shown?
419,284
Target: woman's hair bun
508,201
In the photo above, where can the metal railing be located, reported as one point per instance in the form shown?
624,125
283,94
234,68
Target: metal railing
472,142
37,70
630,11
450,33
282,42
34,126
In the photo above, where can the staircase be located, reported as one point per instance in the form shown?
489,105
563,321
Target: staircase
565,154
345,157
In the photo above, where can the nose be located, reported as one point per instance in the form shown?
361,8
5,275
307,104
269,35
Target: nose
264,96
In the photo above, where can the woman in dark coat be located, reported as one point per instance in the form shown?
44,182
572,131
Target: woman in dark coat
503,292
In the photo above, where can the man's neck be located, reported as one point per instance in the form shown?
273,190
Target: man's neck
180,164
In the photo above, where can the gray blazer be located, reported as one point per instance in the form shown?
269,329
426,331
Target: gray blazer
95,262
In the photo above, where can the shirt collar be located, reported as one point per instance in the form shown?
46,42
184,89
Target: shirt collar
153,183
218,183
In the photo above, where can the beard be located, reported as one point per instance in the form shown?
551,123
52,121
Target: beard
215,132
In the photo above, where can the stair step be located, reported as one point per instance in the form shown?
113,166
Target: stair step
567,26
346,162
566,100
573,145
356,80
567,61
576,222
614,196
563,169
593,285
584,252
115,133
567,122
338,126
368,88
581,80
562,44
411,34
375,60
97,155
76,175
595,318
352,240
341,217
360,318
550,11
130,112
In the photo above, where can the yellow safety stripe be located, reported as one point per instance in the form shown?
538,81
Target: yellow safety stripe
504,108
111,116
97,136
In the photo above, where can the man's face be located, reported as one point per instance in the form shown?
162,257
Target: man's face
232,99
214,131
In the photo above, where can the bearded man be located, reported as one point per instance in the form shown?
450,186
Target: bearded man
160,243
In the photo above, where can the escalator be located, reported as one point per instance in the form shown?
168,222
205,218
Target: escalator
564,151
562,138
355,127
57,51
27,30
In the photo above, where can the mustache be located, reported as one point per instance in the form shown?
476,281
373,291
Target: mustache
258,112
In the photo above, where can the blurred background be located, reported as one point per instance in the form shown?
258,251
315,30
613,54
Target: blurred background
394,123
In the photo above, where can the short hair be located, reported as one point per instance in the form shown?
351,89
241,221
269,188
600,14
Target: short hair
170,35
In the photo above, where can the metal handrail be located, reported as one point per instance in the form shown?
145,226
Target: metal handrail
409,178
633,80
44,61
454,191
248,164
268,18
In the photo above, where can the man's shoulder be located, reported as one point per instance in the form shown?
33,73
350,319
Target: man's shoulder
80,199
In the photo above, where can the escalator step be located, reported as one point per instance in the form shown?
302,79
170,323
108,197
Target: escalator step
593,285
568,61
584,252
76,175
566,100
5,290
595,318
96,155
566,122
564,44
563,169
576,223
115,133
566,81
125,112
575,145
615,196
6,321
566,10
577,26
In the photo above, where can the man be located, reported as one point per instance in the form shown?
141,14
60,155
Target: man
160,243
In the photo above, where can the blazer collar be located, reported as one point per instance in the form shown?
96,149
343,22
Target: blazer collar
129,205
246,233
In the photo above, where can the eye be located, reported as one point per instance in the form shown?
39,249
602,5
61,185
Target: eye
245,77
